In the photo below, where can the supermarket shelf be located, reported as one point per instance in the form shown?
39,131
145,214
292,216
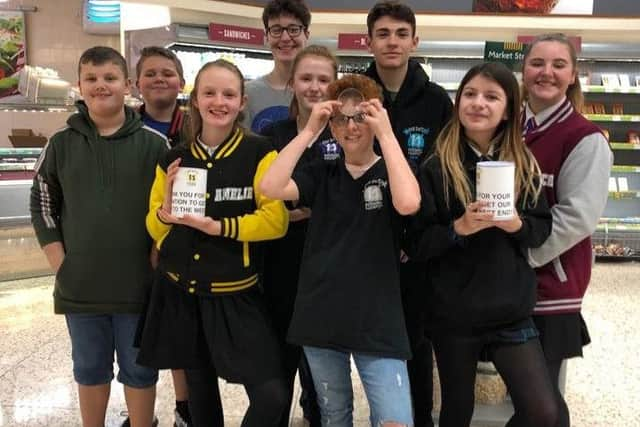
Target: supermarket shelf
625,169
628,220
617,258
5,151
586,89
624,195
613,117
606,227
624,146
607,89
450,85
37,107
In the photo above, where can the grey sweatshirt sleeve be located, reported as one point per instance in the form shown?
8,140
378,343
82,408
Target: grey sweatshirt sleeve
582,189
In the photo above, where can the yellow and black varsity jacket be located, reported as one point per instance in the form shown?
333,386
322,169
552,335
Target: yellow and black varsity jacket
213,265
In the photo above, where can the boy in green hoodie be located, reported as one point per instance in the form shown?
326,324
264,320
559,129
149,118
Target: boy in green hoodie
88,204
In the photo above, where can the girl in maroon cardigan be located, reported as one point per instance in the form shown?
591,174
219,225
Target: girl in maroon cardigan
575,160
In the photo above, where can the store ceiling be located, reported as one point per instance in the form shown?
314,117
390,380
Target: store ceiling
435,27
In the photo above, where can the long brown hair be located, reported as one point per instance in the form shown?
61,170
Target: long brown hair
311,50
574,91
450,143
196,120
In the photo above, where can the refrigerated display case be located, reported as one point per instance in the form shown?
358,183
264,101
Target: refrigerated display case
192,45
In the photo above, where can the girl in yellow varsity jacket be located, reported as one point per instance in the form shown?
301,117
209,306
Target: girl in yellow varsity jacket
206,313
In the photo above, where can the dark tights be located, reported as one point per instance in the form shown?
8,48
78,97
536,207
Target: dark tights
267,401
420,366
522,367
563,411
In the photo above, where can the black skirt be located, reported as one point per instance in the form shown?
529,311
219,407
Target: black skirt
231,332
562,335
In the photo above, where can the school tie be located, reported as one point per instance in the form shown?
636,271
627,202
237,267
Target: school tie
530,125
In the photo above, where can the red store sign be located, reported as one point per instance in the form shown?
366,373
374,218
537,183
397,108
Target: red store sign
352,41
236,34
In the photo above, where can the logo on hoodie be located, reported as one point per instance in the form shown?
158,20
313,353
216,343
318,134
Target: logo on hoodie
415,142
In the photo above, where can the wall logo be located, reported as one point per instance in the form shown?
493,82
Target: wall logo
373,197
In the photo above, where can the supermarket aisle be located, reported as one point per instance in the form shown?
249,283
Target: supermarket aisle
37,389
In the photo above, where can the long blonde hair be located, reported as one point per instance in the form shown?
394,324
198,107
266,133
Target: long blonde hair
574,91
450,143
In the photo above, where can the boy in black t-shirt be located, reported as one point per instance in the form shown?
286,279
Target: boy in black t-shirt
348,301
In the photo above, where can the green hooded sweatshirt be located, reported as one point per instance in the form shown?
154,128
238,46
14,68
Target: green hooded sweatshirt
91,193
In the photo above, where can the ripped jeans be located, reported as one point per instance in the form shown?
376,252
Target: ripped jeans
385,381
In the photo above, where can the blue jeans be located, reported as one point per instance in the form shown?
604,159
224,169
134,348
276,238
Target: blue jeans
94,337
385,381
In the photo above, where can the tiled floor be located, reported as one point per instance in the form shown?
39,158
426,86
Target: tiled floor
37,389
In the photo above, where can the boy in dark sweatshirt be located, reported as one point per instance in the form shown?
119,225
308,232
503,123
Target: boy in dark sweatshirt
88,204
418,110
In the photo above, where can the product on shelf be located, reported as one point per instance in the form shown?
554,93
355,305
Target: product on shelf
633,137
43,86
624,80
617,108
598,108
612,249
610,80
587,108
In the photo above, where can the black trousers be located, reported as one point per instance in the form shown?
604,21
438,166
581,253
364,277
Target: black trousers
280,292
420,367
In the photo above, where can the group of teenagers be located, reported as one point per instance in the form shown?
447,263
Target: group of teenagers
340,224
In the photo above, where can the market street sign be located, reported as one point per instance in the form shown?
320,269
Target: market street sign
510,54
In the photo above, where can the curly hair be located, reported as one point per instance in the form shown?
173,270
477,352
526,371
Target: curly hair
296,8
367,87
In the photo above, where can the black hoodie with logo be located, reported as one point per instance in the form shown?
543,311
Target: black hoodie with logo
418,112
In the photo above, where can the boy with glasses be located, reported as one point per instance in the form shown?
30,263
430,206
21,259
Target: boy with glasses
286,25
418,110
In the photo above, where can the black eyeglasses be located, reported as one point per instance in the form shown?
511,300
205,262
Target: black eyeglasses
293,30
343,119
